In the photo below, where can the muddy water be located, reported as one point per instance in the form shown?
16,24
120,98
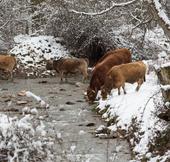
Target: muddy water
72,119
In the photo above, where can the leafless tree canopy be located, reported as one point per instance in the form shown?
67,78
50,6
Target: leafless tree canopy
89,27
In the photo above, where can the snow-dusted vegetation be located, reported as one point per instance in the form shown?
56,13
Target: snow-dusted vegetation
38,30
24,140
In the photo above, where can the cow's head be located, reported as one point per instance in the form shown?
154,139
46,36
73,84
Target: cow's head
91,95
49,65
103,92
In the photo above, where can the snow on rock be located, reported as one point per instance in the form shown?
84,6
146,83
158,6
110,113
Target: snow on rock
167,104
162,55
32,52
82,132
135,110
34,111
37,98
72,148
165,87
166,65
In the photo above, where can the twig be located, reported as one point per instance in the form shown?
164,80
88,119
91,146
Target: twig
5,23
140,24
147,103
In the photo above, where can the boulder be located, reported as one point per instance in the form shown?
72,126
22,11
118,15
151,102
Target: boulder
166,92
163,74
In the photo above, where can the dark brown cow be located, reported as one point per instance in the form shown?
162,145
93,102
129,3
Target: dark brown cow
7,64
118,75
117,57
68,65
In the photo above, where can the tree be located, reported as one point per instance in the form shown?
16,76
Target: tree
115,23
149,7
161,15
15,19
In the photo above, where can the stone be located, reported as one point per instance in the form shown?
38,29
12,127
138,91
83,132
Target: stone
163,74
166,92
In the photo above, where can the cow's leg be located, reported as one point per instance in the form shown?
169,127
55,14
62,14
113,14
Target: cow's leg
85,75
123,87
139,82
118,90
84,78
61,77
119,85
66,77
11,76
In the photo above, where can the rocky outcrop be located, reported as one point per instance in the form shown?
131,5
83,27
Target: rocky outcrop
163,74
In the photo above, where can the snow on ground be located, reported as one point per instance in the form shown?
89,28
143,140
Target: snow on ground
135,105
32,52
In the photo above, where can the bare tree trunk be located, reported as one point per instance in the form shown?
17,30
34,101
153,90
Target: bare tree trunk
168,8
161,22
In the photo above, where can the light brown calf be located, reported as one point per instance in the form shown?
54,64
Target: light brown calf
68,65
7,64
118,75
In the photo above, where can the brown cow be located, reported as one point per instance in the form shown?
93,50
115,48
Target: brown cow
118,75
117,57
68,65
7,64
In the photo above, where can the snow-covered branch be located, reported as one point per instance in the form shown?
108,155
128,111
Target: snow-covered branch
156,8
161,12
106,10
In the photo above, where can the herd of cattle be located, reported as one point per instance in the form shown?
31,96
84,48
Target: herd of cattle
111,71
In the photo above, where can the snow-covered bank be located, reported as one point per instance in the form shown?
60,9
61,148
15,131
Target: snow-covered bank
135,113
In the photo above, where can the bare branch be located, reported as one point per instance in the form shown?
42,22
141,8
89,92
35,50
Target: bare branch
5,23
106,10
140,24
151,97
